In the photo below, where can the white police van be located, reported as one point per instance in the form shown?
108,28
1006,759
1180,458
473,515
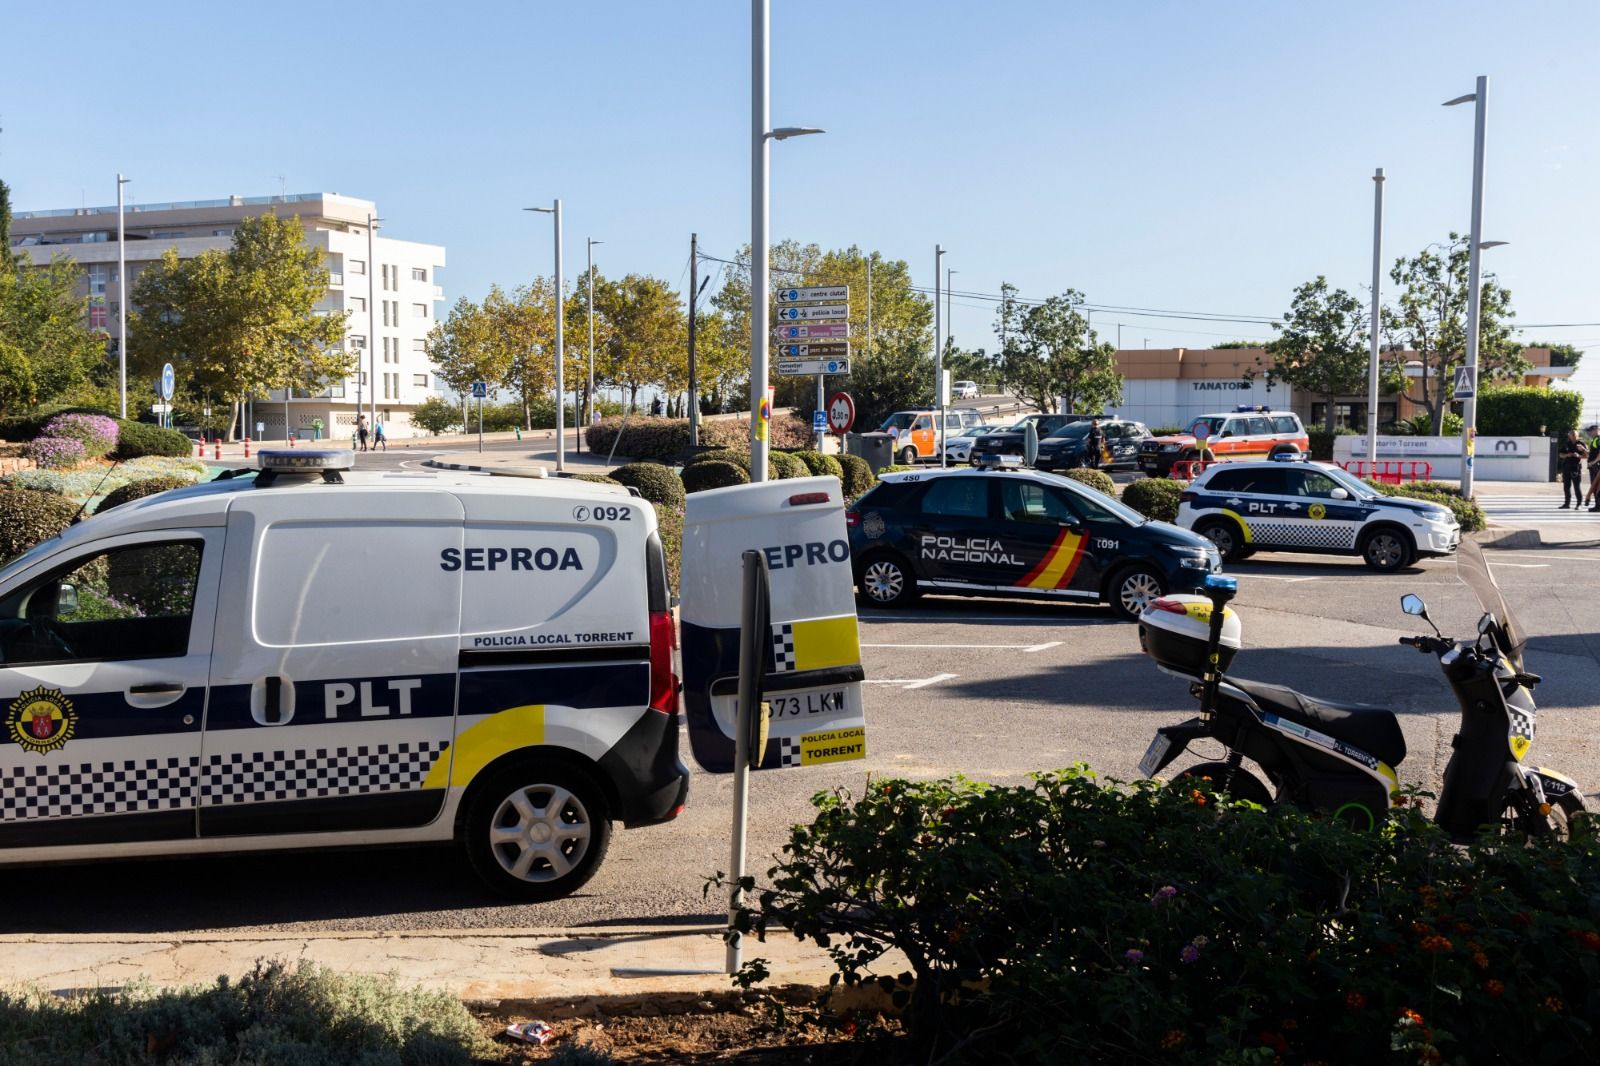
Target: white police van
320,657
1291,505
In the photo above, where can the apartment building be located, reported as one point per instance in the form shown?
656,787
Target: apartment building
390,288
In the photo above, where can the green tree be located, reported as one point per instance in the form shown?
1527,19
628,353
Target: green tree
436,415
8,258
241,322
1322,346
647,341
45,349
1431,319
1560,354
462,350
1052,359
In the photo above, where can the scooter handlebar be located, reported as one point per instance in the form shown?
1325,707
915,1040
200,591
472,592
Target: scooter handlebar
1426,643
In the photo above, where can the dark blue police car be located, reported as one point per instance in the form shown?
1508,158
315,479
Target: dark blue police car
1021,533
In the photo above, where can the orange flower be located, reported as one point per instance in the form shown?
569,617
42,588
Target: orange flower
1420,929
1463,927
1173,1039
1553,1004
1410,1016
1591,939
1480,960
1289,1024
1494,988
1436,943
1355,1000
1197,797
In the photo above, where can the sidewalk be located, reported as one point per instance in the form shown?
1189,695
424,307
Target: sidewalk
477,964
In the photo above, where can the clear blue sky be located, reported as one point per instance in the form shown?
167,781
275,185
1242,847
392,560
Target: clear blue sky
1170,155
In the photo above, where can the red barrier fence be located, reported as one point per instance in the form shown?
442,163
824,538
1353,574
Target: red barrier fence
1391,471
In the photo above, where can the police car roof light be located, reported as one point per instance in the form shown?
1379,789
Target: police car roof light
306,460
1296,456
1256,408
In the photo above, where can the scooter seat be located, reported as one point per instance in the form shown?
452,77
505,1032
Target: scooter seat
1374,730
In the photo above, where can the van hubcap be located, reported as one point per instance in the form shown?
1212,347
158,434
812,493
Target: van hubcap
884,581
540,833
1138,590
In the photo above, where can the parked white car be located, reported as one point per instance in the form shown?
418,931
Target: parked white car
966,390
959,447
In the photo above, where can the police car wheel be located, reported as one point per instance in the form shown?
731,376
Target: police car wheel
1134,589
538,830
1386,550
1225,535
886,581
907,457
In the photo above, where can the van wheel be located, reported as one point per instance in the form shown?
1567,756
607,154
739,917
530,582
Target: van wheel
1387,550
1133,590
538,830
886,581
907,457
1225,535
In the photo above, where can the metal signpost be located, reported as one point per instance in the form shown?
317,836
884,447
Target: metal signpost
799,368
166,388
809,304
818,312
480,389
814,294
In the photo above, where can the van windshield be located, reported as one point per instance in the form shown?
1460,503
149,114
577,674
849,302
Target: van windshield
898,420
1213,424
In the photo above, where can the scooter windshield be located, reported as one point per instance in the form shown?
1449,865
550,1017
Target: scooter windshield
1474,570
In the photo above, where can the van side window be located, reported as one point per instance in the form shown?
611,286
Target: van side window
1260,427
922,422
1285,424
127,603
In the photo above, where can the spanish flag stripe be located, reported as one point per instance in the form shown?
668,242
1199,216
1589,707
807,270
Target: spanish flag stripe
1072,564
1029,579
1063,557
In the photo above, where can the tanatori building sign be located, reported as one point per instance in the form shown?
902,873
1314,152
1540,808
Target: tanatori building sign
1221,386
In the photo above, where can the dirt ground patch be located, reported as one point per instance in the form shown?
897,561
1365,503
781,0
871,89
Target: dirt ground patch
784,1027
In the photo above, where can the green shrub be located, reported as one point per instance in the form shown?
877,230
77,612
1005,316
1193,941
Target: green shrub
55,453
97,433
1155,497
1467,512
595,479
28,517
1169,431
738,458
31,425
661,440
896,468
1522,411
438,415
138,490
1422,424
784,466
858,476
1322,441
669,524
140,438
1069,921
713,475
270,1016
788,432
655,482
821,465
1098,480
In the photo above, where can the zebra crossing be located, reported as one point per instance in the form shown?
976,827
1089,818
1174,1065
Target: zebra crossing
1540,507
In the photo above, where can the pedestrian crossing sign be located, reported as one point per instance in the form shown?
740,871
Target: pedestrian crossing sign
1464,384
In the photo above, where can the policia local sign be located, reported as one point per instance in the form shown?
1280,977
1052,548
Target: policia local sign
811,665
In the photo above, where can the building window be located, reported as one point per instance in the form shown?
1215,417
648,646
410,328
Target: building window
357,340
419,274
357,266
98,273
419,380
97,312
358,303
418,344
222,233
168,234
419,310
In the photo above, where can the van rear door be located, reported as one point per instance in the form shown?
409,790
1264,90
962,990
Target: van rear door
333,679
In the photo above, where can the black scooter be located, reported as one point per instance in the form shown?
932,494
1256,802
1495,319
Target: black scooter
1340,757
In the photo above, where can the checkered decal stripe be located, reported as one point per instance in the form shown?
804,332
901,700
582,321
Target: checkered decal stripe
788,751
119,787
258,776
1309,534
783,646
134,785
1521,722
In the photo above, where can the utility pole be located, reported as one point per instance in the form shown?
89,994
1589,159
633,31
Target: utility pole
372,342
122,304
938,353
1377,318
588,398
760,321
694,380
561,345
1469,408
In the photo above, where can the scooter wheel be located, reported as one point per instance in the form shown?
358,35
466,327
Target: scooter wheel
1243,785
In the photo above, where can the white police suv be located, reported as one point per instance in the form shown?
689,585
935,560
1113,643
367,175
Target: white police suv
1296,506
317,656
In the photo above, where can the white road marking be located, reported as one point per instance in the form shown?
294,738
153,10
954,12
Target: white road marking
1278,577
1524,566
910,682
1042,647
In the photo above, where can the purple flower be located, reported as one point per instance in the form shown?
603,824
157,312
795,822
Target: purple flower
97,433
1164,893
1133,955
54,453
1190,953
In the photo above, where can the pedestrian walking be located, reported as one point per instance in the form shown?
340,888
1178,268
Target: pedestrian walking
1094,443
1571,455
1593,499
361,432
378,439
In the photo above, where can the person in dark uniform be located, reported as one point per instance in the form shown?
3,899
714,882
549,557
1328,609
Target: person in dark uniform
1593,498
1094,443
1571,455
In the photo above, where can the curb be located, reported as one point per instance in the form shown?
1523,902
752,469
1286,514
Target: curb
1504,538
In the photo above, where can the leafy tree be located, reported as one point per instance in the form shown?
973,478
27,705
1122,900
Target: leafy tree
1322,346
243,321
1560,354
647,335
1239,344
45,351
1431,319
8,258
461,349
1052,359
436,415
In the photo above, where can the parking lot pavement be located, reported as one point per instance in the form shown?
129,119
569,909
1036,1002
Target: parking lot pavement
988,688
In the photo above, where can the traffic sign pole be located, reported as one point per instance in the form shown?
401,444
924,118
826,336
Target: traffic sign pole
819,420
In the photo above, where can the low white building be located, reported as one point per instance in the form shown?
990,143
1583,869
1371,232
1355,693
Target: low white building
389,287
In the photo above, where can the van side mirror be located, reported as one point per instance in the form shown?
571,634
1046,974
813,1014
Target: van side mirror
66,599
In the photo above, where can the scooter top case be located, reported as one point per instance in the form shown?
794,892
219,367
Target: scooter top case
1175,630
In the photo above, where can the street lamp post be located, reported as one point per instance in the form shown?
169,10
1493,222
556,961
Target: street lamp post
1469,409
561,383
122,306
938,352
588,396
1377,320
372,342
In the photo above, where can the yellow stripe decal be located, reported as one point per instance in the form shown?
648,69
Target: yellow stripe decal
481,744
823,642
1065,551
1242,524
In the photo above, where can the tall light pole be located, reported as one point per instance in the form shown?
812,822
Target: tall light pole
938,352
588,396
1469,409
760,321
372,341
1377,319
561,381
122,306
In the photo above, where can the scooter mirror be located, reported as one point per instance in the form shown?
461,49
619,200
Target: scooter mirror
1485,623
1411,603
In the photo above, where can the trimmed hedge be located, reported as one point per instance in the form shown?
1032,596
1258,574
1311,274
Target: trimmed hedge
97,433
655,482
56,453
1155,497
665,439
858,476
669,523
138,490
1098,480
1467,512
595,479
1322,441
28,517
135,439
786,466
713,475
821,465
1522,411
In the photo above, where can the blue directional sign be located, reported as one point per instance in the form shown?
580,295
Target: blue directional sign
819,421
169,382
480,389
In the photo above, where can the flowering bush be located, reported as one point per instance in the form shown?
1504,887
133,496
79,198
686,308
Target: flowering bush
97,433
1067,921
99,480
55,453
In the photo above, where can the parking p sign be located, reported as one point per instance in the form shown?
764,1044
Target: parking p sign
819,421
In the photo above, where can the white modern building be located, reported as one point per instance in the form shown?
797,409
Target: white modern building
390,289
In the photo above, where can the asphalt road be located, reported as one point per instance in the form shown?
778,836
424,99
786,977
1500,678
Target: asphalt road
988,688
